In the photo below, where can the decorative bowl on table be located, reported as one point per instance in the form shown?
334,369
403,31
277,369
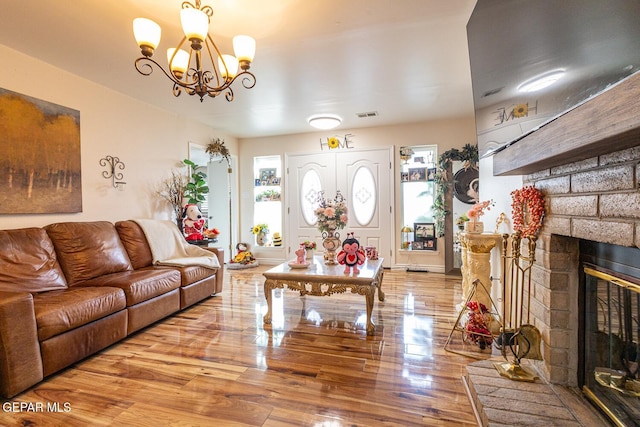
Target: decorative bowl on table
294,264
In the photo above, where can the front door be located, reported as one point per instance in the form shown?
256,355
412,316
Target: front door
364,179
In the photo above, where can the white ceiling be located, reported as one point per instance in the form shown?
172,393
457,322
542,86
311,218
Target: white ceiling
406,59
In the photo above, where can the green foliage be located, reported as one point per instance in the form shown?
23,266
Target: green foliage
197,188
469,153
268,195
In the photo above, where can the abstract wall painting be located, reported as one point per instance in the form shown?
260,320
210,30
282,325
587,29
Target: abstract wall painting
39,156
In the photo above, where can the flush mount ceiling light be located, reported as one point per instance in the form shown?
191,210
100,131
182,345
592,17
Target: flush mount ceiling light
324,121
193,78
542,81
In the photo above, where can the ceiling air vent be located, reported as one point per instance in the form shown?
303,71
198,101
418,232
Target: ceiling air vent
491,92
367,114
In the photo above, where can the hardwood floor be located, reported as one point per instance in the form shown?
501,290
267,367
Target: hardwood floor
215,364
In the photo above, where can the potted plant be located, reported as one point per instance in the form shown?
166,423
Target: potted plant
261,231
196,189
461,220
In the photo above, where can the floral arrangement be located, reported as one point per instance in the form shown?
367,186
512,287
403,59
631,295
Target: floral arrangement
171,190
477,326
478,209
527,210
260,228
309,244
331,214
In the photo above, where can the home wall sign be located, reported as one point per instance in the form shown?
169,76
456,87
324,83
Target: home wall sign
504,114
335,142
39,156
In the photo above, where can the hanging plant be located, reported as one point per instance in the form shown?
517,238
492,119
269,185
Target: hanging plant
217,149
444,183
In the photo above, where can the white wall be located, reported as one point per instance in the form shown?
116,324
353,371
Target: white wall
446,134
498,189
112,124
149,141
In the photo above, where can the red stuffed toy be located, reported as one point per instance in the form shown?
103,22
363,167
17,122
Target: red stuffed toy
192,223
351,255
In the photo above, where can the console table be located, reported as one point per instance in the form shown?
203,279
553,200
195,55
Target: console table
323,280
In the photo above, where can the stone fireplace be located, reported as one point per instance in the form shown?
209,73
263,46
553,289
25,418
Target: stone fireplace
596,199
587,163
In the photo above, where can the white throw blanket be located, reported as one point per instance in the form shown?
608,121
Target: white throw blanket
169,247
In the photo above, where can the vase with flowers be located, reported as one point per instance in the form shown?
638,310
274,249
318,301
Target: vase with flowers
261,231
331,216
477,326
309,247
474,214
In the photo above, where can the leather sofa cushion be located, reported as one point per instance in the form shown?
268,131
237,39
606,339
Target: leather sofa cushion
135,242
140,285
194,273
61,311
88,249
28,262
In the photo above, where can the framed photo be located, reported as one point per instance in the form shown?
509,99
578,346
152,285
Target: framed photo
431,174
417,246
275,180
404,176
417,174
424,231
418,159
258,182
267,175
430,244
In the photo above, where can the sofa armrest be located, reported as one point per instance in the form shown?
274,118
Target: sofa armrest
220,273
20,358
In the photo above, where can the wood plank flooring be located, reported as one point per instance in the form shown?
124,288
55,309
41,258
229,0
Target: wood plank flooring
215,364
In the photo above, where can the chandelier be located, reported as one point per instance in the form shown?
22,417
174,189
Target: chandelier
186,68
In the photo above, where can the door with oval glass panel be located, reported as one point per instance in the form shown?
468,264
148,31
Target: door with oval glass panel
363,177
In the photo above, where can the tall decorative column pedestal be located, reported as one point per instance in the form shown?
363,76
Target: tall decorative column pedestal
476,286
476,256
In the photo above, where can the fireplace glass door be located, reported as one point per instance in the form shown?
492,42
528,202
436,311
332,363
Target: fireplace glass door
612,344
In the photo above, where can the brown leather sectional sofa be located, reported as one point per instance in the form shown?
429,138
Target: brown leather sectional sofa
71,289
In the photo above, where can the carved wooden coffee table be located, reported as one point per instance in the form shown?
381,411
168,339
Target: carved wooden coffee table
323,280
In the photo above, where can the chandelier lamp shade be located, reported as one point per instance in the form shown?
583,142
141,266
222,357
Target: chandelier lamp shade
186,62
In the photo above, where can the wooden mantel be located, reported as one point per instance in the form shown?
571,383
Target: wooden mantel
606,123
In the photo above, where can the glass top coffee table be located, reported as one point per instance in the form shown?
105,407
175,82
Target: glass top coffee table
319,279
